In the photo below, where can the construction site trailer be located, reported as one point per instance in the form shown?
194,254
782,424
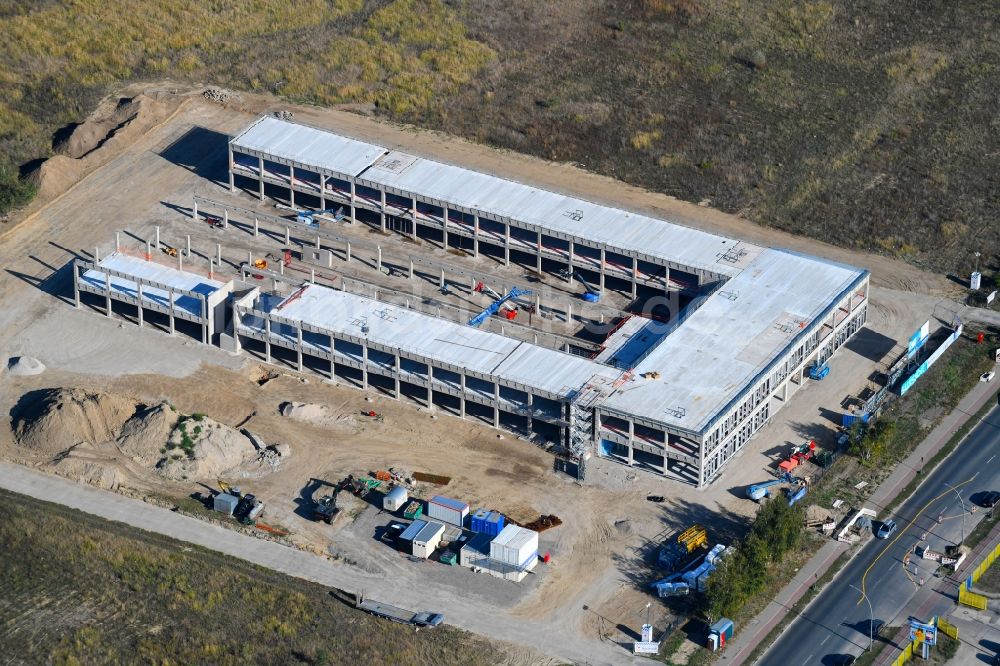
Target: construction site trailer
487,522
476,551
449,510
426,541
514,546
406,538
395,499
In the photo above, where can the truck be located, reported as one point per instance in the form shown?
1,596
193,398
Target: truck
401,615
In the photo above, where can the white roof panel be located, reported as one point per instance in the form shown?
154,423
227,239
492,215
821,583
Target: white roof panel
722,347
307,145
154,272
560,214
441,340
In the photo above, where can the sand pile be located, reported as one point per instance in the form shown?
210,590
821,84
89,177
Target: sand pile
94,436
320,415
111,128
200,448
53,420
23,366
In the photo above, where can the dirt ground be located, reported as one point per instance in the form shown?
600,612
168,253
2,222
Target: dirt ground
591,593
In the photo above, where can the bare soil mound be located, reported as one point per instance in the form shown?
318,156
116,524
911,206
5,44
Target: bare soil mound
200,448
22,366
115,125
319,415
97,436
54,420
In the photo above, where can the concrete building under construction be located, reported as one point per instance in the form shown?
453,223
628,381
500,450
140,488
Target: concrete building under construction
678,398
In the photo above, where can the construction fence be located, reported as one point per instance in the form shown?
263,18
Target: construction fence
906,654
966,596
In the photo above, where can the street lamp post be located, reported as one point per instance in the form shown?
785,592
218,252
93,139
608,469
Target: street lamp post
871,619
962,502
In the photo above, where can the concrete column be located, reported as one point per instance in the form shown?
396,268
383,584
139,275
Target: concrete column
188,251
158,237
411,269
569,312
118,244
506,245
538,257
441,283
267,339
635,277
225,219
414,216
347,254
170,314
288,236
530,412
601,283
461,398
430,384
396,376
194,212
138,300
260,183
211,269
76,284
97,254
317,242
631,440
180,261
378,258
256,227
496,403
298,347
666,279
382,193
353,212
149,252
569,278
312,276
218,254
237,319
475,236
364,365
232,184
322,192
291,186
444,226
107,294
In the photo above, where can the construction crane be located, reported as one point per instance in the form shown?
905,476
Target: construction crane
306,217
497,302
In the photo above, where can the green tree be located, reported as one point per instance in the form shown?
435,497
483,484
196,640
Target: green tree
14,191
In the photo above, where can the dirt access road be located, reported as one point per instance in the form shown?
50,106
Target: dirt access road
609,527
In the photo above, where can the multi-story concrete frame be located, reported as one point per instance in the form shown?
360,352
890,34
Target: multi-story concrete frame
694,395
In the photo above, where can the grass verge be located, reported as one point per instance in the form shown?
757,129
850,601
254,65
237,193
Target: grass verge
81,590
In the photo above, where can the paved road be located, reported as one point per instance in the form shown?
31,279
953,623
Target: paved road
837,622
464,613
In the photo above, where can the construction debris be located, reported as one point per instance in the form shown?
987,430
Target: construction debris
221,95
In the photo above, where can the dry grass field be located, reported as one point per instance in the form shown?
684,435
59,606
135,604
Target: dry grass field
81,590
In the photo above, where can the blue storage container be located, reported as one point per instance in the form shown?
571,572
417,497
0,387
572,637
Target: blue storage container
487,522
478,521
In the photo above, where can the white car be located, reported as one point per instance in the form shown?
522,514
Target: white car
987,376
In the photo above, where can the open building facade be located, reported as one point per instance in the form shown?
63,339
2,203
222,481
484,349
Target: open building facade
679,398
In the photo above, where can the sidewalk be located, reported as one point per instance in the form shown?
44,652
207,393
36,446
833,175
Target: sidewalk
754,633
929,600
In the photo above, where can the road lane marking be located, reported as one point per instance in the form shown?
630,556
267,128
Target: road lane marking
909,524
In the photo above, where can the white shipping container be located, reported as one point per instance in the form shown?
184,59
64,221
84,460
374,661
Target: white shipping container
427,539
514,546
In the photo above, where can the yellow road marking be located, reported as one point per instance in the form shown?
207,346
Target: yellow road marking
864,576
